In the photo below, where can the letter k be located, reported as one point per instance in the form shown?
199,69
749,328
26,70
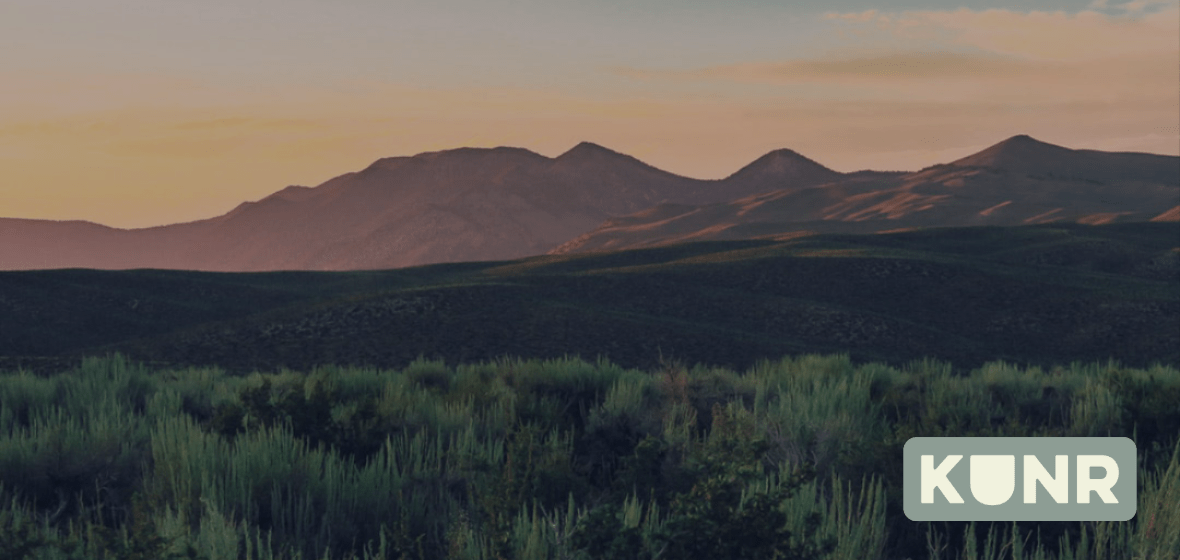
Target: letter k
936,478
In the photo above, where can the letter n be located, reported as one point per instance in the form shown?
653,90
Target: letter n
1035,472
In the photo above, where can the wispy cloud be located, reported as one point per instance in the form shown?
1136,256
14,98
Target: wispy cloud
983,55
1140,5
902,66
1060,36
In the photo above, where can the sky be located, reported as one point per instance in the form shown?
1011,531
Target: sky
134,113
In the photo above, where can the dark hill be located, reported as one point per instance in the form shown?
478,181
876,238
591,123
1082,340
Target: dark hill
1038,294
783,169
1028,155
1016,182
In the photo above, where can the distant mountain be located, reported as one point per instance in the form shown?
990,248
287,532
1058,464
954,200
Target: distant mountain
473,204
1024,154
466,204
785,167
1019,181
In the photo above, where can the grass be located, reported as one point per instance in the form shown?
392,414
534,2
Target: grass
528,459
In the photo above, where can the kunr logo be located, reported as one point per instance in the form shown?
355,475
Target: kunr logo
1019,479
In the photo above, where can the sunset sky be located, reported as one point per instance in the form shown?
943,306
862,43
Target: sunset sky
134,113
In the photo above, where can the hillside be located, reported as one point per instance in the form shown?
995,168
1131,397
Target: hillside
1037,294
452,206
1019,181
503,203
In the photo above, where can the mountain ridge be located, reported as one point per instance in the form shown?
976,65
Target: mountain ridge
1018,181
471,204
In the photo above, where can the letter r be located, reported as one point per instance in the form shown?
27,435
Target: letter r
1103,485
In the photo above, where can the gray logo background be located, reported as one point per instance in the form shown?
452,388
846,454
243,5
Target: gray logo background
1121,449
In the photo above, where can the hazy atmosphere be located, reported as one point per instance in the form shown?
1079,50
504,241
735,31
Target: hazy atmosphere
593,279
133,113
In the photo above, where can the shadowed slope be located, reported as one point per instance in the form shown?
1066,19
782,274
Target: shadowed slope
1040,294
783,169
1016,182
474,204
1027,155
458,205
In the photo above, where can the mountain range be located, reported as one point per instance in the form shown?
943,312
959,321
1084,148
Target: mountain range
503,203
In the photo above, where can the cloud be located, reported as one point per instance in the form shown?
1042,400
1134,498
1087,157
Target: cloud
952,77
1140,5
1059,36
903,66
921,87
988,55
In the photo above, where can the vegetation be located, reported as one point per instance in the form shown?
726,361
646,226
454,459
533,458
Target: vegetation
515,459
1037,295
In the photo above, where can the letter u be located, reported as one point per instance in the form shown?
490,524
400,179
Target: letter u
993,478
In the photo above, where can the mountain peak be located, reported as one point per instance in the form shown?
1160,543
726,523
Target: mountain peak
591,155
784,156
1026,142
1027,155
294,193
505,155
1022,139
587,149
503,152
785,152
1016,152
785,165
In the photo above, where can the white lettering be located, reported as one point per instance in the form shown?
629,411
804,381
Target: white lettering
993,478
936,478
1103,485
1035,472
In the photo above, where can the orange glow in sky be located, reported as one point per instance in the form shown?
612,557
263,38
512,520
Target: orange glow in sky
150,113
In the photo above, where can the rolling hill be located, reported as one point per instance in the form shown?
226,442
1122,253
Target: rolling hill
1041,294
